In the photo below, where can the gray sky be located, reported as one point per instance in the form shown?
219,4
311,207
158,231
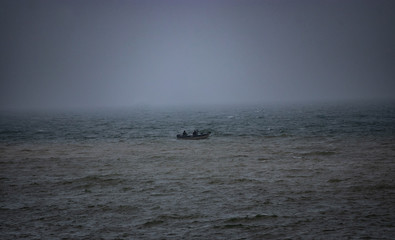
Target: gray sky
57,54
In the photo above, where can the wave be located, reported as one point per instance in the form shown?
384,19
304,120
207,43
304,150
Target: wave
247,222
319,153
334,180
152,223
247,218
93,181
372,188
162,219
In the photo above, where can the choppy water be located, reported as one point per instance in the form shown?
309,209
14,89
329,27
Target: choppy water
297,172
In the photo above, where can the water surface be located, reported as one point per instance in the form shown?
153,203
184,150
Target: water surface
302,171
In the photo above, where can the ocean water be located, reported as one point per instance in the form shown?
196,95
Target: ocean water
266,172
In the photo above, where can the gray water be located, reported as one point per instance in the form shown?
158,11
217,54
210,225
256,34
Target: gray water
266,172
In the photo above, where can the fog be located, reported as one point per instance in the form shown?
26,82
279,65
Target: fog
67,54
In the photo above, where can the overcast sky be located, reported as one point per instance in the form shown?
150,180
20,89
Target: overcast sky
57,54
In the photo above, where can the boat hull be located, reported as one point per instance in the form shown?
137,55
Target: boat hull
197,137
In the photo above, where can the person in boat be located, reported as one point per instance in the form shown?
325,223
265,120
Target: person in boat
184,133
195,133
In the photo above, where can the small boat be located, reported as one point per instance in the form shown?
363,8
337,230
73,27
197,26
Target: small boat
197,136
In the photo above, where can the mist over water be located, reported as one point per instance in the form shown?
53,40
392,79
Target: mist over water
292,171
72,54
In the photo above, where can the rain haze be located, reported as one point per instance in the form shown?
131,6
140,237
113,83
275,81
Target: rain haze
66,54
206,119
